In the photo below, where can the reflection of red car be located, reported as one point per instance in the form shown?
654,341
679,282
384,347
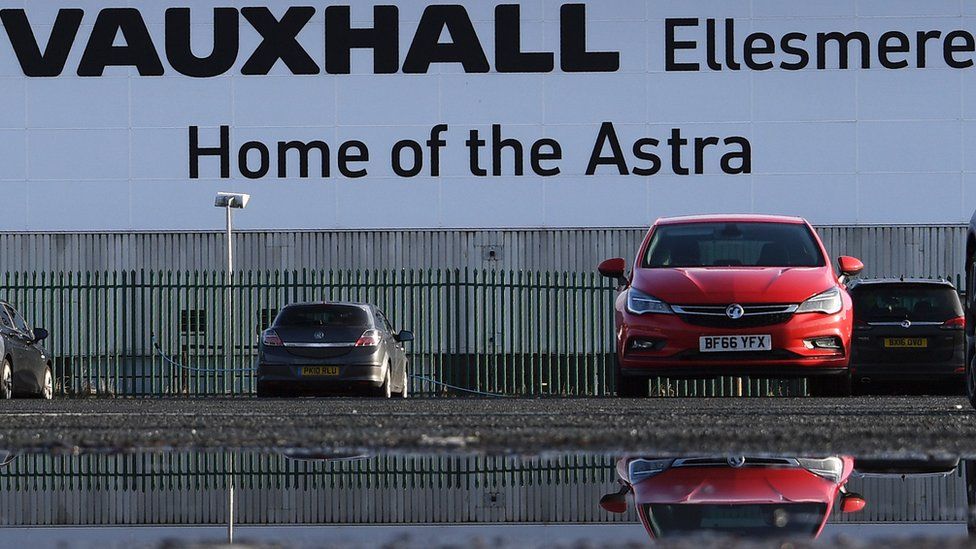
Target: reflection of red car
778,497
732,295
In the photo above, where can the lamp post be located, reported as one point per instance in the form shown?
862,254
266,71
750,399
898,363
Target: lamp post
230,201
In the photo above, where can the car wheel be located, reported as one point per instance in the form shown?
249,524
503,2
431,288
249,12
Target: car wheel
265,391
47,386
6,381
830,386
386,390
405,381
629,387
971,382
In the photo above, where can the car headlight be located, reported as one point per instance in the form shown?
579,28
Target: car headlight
640,303
829,468
829,302
640,469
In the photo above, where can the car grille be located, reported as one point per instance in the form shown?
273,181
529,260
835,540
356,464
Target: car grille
714,461
714,316
737,356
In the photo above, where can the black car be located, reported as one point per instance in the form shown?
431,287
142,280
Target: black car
332,347
971,311
907,329
26,366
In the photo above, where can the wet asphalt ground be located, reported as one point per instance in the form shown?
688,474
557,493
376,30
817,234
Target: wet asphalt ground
861,426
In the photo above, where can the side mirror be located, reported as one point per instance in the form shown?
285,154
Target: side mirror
852,502
849,266
613,268
615,503
40,334
404,335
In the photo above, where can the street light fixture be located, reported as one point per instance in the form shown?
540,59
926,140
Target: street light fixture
230,201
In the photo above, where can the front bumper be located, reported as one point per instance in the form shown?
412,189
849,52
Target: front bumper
679,355
933,371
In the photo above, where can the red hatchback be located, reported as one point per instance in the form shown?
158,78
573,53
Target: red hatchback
733,295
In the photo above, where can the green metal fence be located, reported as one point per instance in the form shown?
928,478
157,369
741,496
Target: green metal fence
509,332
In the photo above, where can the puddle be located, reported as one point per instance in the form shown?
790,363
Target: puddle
297,498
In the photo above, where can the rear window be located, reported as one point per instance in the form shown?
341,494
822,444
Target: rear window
733,245
916,302
347,316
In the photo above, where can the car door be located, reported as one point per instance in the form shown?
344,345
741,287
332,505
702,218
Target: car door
27,359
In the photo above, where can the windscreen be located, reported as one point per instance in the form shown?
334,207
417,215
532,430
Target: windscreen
746,520
326,316
733,245
915,302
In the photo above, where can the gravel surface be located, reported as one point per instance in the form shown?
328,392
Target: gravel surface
861,426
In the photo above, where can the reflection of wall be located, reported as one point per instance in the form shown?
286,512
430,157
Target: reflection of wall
186,488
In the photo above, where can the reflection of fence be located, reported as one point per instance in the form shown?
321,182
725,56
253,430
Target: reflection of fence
187,488
512,332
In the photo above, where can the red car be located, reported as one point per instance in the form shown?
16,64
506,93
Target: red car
756,497
733,295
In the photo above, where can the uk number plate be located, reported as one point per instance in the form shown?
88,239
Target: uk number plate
726,344
316,371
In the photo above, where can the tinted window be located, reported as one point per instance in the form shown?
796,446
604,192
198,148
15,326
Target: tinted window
5,320
733,245
345,316
753,520
19,321
894,302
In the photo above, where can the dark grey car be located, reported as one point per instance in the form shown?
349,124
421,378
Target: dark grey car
332,347
26,366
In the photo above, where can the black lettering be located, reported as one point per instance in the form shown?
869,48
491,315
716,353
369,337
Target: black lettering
750,50
474,147
573,56
885,47
700,144
744,156
803,58
383,39
650,156
303,151
676,142
418,158
279,40
710,34
730,45
607,135
949,48
138,51
435,144
263,155
671,45
226,42
497,144
26,48
922,37
464,47
345,157
538,156
843,48
509,56
222,151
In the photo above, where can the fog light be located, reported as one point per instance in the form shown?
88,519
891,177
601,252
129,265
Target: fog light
832,343
646,344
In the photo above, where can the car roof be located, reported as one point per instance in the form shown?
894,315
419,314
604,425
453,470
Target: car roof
344,303
898,281
730,218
